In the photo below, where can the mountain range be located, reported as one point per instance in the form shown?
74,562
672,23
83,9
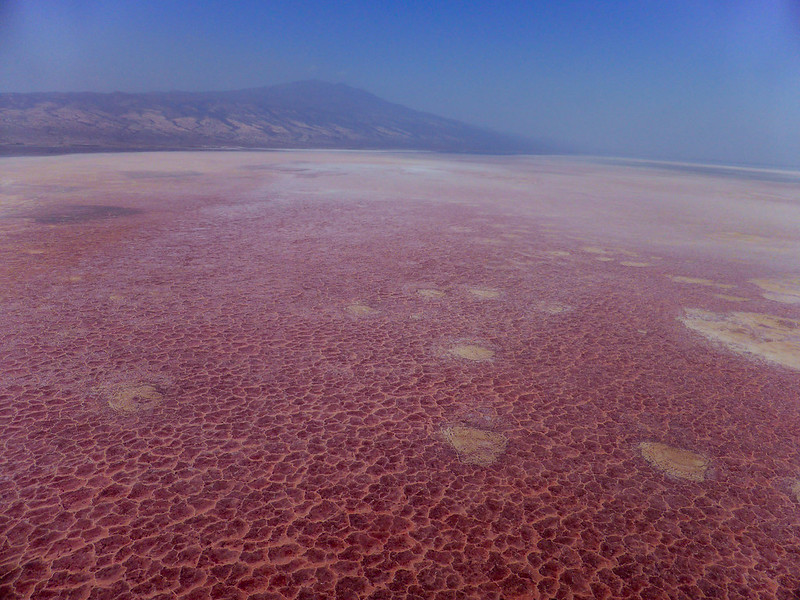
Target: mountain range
307,114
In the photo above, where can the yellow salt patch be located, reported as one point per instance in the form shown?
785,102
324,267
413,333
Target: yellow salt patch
595,250
484,293
731,298
360,310
475,446
786,291
472,352
552,308
134,397
737,236
556,253
794,487
675,461
629,263
430,293
74,278
510,236
699,281
116,297
775,339
33,251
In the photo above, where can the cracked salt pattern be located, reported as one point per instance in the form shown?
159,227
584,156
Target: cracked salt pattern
236,390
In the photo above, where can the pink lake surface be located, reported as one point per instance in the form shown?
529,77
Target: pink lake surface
236,375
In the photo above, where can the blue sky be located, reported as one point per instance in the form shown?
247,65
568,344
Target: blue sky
714,81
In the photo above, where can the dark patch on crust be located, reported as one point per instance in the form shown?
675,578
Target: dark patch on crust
160,174
77,213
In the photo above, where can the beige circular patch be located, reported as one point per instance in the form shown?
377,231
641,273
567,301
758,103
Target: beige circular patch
700,281
430,293
677,462
134,397
786,291
556,253
776,339
475,446
360,310
472,352
738,236
484,293
794,487
552,308
731,298
594,250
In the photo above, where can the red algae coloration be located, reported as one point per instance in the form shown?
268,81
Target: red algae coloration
370,375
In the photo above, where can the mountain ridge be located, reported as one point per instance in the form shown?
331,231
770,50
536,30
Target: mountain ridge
304,114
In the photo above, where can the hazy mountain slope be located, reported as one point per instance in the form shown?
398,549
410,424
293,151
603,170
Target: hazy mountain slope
309,114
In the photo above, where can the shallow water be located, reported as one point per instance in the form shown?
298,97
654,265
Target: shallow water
367,375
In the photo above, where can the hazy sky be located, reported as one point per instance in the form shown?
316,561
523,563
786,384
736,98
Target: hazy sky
695,80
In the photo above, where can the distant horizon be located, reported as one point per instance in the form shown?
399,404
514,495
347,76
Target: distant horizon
631,161
578,154
586,155
701,82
